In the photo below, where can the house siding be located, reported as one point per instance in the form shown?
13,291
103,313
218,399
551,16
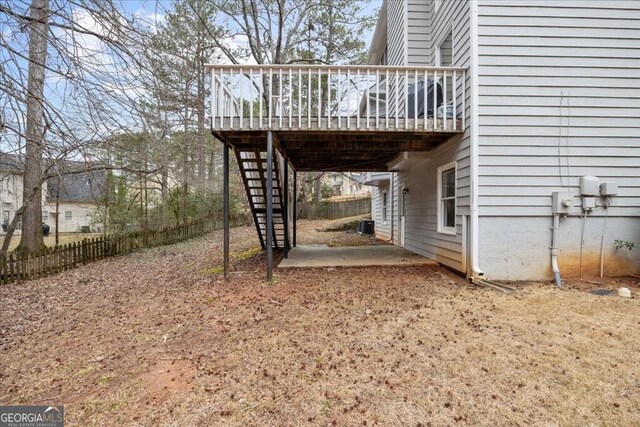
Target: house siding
396,35
383,228
426,28
421,205
419,32
559,98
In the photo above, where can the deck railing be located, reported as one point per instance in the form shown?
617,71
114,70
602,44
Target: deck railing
337,97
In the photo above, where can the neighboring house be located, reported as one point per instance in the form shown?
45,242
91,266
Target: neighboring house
74,198
552,95
476,120
10,189
346,185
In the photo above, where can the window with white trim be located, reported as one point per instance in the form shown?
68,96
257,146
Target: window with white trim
385,202
68,215
447,198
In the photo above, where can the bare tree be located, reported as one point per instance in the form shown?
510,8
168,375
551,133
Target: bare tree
82,65
32,214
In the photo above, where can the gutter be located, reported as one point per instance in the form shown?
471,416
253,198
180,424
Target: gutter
475,270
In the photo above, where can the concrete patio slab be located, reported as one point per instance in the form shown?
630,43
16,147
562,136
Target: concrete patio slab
352,256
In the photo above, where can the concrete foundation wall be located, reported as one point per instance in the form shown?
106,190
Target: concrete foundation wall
517,248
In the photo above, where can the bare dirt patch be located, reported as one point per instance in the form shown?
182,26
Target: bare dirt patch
158,338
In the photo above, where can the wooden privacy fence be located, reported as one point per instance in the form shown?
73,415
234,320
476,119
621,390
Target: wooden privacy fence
334,210
19,266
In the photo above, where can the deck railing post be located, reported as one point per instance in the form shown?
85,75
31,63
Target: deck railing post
225,210
269,206
444,100
455,100
295,207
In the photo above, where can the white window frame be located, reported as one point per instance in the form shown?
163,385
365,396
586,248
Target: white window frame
385,206
68,217
440,211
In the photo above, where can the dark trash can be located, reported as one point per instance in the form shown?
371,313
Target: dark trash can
367,226
45,229
433,91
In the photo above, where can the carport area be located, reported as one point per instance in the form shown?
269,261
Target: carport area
351,256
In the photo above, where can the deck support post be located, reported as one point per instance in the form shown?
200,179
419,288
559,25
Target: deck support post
269,197
285,207
225,209
295,208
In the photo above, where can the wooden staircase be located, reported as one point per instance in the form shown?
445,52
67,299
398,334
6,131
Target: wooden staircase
253,169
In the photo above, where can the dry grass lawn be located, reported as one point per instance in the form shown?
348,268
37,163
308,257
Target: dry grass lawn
158,339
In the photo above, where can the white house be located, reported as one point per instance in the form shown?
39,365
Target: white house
75,198
482,123
552,100
346,185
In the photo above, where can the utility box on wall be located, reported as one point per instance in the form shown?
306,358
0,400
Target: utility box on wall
608,189
561,203
589,186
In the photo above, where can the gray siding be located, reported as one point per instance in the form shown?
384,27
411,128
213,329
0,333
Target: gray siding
382,228
396,35
419,32
424,28
421,204
559,98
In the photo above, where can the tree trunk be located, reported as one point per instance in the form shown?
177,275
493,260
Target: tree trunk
31,239
201,116
185,161
318,186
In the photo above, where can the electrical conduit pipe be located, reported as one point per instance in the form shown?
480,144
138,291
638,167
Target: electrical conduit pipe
555,232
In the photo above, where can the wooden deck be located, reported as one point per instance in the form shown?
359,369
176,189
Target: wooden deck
344,148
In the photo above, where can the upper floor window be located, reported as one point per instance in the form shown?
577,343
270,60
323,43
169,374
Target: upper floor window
447,198
68,215
444,52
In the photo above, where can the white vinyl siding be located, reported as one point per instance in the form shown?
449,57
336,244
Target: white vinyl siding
421,235
418,32
396,33
559,99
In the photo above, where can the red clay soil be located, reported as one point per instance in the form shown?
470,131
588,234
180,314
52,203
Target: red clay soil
157,338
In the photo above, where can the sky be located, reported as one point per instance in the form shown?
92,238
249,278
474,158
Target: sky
89,48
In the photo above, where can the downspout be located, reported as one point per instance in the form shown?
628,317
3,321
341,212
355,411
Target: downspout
555,232
473,143
393,191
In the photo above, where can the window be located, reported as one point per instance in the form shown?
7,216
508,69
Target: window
447,199
444,58
445,51
384,207
68,215
45,215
